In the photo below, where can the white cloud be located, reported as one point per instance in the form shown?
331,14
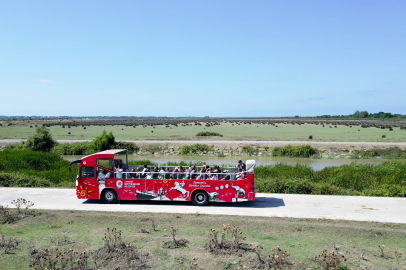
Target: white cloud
44,81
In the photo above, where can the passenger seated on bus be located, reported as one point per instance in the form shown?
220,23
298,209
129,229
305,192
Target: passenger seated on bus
202,172
227,176
101,177
241,173
132,174
167,173
175,173
180,174
109,175
137,174
162,173
119,171
144,171
148,174
215,173
155,174
192,173
208,173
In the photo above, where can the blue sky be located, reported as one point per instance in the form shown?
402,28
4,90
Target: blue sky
198,58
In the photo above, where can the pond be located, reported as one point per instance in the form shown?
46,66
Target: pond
316,164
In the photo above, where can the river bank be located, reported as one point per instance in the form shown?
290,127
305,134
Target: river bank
241,148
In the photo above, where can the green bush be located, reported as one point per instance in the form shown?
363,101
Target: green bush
16,179
103,142
249,150
40,141
194,149
208,133
294,151
49,166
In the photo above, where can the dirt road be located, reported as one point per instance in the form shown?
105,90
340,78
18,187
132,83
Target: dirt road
270,205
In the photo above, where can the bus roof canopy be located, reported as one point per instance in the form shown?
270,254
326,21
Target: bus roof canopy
111,152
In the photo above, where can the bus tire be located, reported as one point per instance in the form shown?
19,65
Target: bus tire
200,198
109,196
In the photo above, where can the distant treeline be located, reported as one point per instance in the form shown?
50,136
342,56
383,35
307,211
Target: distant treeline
365,114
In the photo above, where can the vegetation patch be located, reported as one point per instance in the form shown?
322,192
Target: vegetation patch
34,169
196,148
103,142
387,153
387,179
294,151
17,179
208,133
92,246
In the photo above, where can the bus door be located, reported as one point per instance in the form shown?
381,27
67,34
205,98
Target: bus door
88,183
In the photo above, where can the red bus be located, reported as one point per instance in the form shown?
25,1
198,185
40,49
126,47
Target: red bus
107,176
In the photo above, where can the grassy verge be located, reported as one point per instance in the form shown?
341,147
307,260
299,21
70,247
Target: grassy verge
387,179
302,239
22,168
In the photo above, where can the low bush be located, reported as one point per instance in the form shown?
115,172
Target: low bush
294,151
208,133
249,150
16,179
196,148
387,153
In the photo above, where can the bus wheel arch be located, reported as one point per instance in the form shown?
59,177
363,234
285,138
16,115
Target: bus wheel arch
109,196
200,197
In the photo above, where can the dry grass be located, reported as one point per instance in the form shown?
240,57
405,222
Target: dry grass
280,242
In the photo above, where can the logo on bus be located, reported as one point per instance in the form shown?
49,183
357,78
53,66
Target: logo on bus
119,184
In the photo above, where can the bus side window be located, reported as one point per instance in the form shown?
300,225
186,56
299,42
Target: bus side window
105,163
106,173
87,172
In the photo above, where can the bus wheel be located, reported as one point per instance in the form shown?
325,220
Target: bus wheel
109,196
200,198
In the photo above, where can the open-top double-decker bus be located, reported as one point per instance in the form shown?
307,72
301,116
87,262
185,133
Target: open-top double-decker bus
106,175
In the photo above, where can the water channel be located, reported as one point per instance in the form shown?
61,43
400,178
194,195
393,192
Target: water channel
316,164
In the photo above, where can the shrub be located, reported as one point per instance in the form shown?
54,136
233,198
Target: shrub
249,150
49,166
103,142
208,133
194,148
16,179
40,141
295,151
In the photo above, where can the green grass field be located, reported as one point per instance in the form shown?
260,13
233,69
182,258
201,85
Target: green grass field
301,238
246,132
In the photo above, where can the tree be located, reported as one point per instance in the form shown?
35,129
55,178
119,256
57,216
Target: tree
104,141
40,141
